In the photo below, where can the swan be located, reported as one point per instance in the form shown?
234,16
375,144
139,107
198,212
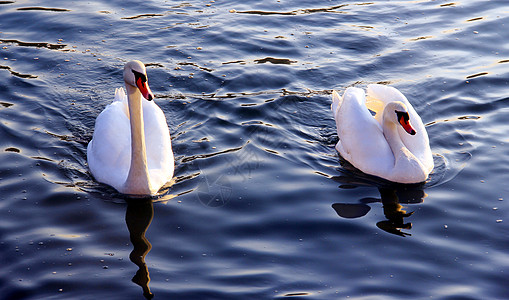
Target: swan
130,149
393,145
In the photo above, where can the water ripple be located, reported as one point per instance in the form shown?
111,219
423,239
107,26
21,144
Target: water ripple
261,205
43,9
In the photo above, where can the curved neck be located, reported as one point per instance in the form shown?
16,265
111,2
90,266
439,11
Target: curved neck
391,134
138,181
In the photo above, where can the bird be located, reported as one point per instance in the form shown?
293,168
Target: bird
131,148
391,144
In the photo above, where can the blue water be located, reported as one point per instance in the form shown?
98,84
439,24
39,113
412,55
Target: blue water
261,206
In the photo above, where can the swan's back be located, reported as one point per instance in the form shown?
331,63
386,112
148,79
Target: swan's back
361,140
109,152
109,149
158,144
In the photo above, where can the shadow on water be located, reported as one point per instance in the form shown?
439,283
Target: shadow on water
391,199
392,196
138,216
448,165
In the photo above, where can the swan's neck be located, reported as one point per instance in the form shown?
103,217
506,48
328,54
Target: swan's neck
391,134
138,181
407,168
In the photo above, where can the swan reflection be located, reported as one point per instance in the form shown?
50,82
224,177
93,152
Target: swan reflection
138,216
393,210
391,196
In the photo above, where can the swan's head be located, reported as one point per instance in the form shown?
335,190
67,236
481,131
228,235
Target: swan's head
398,113
135,74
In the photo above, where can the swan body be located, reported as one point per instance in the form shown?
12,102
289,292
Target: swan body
393,144
131,146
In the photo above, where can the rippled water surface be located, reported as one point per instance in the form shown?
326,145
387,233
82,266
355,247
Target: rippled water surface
261,206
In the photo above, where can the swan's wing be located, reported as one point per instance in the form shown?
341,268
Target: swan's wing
417,144
158,143
109,151
362,142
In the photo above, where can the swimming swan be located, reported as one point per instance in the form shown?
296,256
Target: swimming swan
131,146
393,144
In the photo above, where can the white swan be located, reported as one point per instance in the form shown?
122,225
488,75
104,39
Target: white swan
131,146
393,145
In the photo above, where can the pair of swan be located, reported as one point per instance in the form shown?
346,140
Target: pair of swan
131,147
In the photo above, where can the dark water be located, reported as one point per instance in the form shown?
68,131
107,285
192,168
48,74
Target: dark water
261,206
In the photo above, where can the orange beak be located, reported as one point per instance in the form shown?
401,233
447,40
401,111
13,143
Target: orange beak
144,89
405,122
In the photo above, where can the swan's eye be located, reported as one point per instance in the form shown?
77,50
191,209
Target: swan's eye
404,120
139,76
140,79
403,117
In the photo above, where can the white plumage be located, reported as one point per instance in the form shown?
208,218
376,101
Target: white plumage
386,145
140,167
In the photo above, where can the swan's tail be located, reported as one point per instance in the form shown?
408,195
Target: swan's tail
336,102
120,95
